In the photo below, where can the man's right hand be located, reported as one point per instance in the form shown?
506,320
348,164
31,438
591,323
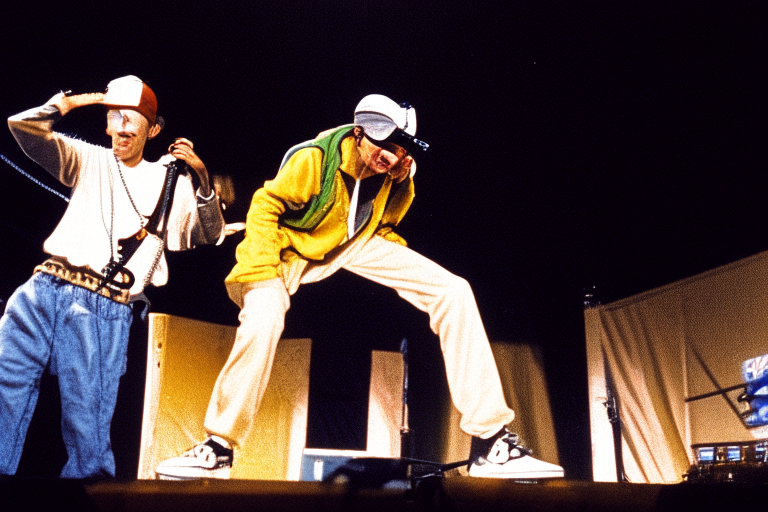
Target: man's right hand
66,103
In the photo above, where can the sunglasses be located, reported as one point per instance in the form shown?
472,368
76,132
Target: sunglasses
380,129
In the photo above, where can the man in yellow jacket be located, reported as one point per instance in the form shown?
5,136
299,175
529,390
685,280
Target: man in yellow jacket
333,205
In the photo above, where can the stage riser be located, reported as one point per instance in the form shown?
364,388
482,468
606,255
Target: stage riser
451,494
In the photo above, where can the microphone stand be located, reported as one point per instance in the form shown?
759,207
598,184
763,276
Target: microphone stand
406,434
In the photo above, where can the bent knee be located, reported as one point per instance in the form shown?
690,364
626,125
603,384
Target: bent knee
456,286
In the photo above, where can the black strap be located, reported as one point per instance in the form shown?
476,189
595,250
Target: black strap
127,247
163,208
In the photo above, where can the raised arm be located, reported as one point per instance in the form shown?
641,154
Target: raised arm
33,130
206,224
183,149
66,103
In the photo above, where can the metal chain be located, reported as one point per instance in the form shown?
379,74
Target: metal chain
111,213
159,253
120,172
156,261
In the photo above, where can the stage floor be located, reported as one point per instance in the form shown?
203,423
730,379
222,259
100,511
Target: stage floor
449,494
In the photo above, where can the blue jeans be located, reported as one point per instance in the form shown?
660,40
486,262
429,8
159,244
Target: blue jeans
84,338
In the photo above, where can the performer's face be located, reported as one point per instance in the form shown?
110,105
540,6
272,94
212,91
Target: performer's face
129,131
380,159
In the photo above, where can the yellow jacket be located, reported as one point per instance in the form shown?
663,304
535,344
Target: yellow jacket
269,246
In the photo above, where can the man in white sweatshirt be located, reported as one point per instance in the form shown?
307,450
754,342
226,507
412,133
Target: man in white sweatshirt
74,313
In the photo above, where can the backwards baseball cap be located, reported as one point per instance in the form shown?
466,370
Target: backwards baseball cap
130,92
383,120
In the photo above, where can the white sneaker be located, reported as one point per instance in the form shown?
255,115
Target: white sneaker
208,459
508,459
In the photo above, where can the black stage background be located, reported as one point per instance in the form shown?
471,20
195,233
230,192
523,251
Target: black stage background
573,144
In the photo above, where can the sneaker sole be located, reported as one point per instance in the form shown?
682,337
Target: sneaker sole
193,474
520,476
529,475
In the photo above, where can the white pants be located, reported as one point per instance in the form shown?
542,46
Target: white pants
473,379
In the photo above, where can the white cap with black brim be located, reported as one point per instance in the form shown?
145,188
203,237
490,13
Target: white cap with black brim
383,120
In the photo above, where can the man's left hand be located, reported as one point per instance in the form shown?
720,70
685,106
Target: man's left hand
182,149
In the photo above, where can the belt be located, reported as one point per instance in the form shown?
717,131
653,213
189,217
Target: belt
84,278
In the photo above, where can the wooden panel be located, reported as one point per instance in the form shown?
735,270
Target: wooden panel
183,362
385,404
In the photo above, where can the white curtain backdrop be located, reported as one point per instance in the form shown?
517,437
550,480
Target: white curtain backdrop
682,340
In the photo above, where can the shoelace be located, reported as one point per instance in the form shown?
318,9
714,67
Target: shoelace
208,455
513,441
507,448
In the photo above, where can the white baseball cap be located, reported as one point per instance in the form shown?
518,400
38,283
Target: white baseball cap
384,120
129,92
